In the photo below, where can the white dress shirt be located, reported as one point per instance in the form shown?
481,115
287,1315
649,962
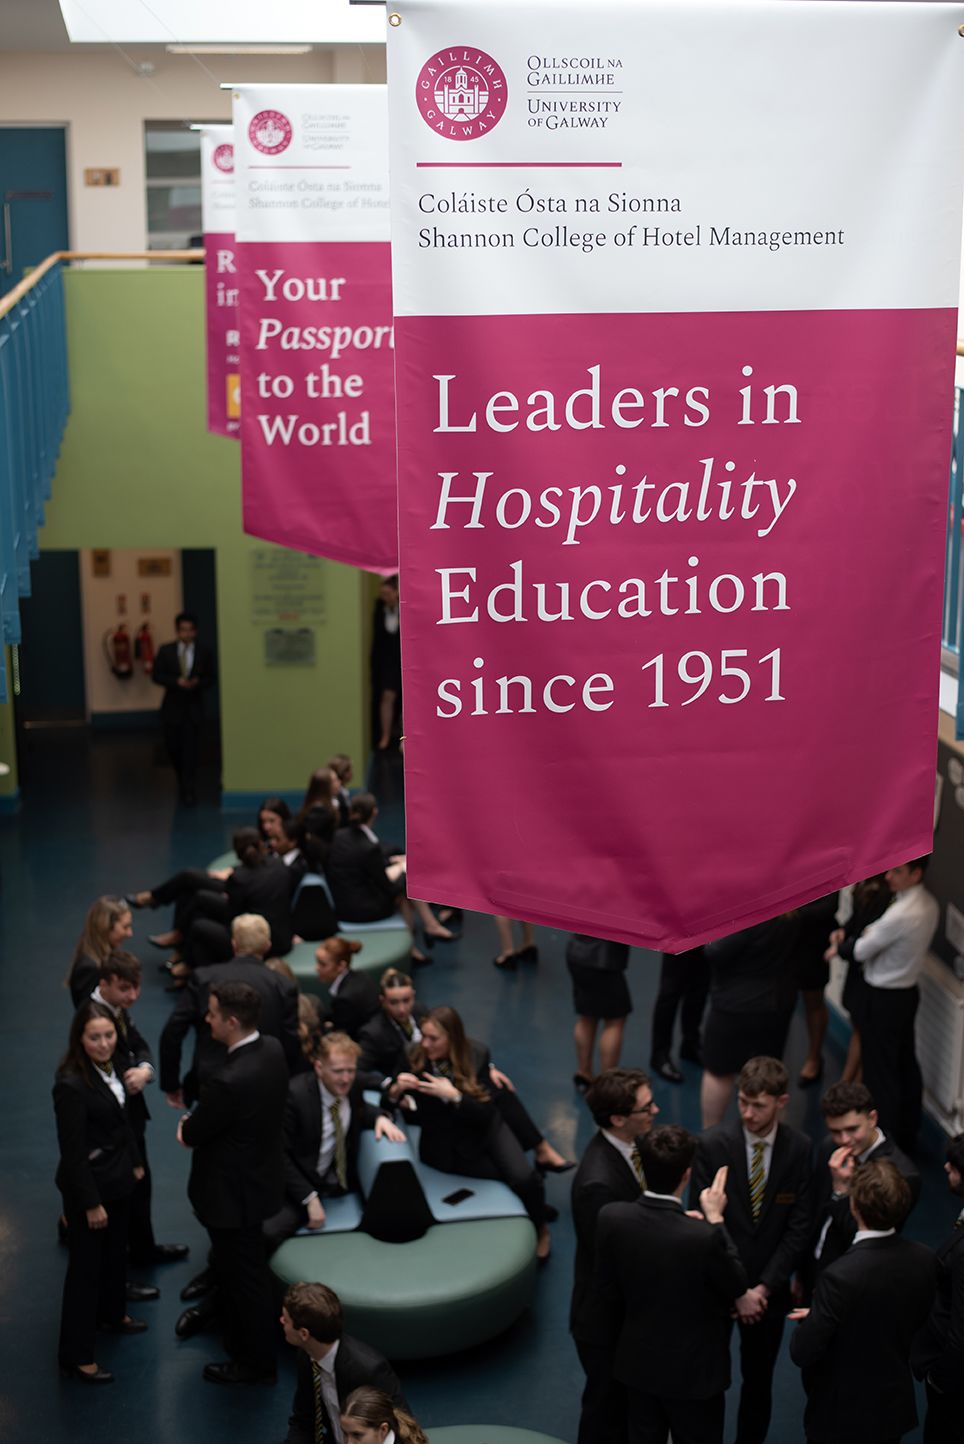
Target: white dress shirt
863,1233
326,1153
626,1149
893,948
667,1197
96,996
243,1042
185,657
114,1084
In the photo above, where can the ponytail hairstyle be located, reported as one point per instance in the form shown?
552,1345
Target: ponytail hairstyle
372,1407
460,1054
94,941
392,978
342,950
249,846
361,809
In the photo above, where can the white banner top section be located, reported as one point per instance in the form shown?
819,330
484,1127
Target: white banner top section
312,162
207,22
217,178
563,133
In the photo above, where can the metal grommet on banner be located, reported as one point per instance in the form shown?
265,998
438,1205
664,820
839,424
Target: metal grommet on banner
395,19
960,30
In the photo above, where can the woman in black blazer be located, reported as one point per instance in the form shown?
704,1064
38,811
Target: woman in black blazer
107,928
99,1165
462,1130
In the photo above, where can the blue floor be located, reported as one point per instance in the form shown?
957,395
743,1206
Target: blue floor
99,817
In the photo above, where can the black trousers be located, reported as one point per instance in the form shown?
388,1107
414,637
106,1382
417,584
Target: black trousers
182,737
207,942
889,1056
692,1421
683,982
513,1112
603,1416
249,1316
759,1349
503,1157
96,1281
141,1235
182,890
944,1423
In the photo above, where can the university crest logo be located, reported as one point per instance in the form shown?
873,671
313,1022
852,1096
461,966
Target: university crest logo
461,93
270,132
224,158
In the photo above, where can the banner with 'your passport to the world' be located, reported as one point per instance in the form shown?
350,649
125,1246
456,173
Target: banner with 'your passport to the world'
220,279
317,394
675,289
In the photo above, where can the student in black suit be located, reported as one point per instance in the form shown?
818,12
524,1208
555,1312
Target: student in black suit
118,991
184,669
354,996
853,1343
938,1352
97,1173
369,1417
666,1284
684,980
107,927
251,940
237,1176
324,1114
621,1102
854,1138
463,1130
385,1038
768,1218
367,886
313,1324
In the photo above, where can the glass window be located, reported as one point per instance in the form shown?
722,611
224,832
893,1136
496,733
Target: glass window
173,180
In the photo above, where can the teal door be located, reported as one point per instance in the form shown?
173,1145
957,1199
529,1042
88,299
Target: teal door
33,198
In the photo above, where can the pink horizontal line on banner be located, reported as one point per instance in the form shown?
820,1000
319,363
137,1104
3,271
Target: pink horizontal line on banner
299,167
516,164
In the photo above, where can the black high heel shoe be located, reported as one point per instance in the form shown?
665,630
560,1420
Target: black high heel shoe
562,1167
74,1371
506,962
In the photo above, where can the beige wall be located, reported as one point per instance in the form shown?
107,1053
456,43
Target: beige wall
105,692
104,102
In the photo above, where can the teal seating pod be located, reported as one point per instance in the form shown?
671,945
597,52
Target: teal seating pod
457,1286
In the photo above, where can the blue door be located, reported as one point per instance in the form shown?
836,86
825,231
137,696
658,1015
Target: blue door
33,199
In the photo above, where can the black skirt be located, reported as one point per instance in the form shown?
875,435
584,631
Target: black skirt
730,1039
599,994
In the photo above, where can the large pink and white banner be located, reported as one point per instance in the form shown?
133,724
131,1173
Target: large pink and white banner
220,279
675,292
317,386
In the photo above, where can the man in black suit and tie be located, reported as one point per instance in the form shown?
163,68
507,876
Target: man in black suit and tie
938,1352
854,1138
251,939
237,1177
324,1114
184,669
330,1364
768,1218
621,1102
386,1037
666,1284
118,990
853,1343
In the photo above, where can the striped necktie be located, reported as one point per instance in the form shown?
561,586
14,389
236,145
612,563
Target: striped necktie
322,1423
758,1180
637,1163
341,1152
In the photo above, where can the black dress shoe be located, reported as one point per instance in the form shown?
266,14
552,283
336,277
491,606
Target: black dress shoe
200,1285
142,1293
529,954
126,1326
74,1371
195,1320
550,1213
582,1081
232,1373
667,1069
168,1253
562,1167
506,962
805,1080
691,1053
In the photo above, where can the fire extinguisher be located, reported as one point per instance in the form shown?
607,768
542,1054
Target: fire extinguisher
144,647
117,649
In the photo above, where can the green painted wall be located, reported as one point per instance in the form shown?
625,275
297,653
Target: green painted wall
138,469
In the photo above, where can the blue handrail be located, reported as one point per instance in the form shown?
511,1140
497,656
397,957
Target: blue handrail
34,403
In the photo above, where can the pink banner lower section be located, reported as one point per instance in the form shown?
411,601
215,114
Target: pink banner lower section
222,334
671,599
317,389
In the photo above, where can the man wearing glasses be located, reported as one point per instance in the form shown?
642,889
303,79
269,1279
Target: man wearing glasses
621,1103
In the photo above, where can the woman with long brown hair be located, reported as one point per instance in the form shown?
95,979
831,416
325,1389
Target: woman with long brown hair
370,1417
462,1129
100,1163
107,927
